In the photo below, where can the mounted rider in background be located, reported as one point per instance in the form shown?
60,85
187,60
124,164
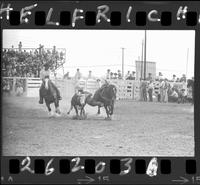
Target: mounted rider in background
44,74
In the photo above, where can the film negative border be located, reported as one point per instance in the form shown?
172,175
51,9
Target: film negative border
96,15
85,170
127,15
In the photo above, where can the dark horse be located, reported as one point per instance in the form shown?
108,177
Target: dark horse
105,96
50,95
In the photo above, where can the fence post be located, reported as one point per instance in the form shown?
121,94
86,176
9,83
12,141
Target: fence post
26,88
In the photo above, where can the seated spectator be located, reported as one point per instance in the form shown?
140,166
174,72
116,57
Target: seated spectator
173,96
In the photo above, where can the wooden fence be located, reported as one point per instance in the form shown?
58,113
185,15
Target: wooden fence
126,89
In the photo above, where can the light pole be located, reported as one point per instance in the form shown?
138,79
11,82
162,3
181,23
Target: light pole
142,60
123,62
145,51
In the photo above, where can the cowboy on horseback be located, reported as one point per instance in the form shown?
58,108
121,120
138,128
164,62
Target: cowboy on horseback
45,74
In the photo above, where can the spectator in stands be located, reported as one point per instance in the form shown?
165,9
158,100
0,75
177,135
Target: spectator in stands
22,63
77,75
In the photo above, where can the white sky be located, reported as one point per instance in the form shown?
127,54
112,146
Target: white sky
99,50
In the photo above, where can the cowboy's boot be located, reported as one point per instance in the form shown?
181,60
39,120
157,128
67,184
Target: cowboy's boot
41,98
59,97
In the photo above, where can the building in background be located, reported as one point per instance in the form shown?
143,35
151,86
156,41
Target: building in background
150,68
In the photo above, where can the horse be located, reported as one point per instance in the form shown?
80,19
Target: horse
50,95
104,97
78,102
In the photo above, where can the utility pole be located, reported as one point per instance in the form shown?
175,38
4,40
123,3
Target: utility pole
122,63
187,62
145,51
141,75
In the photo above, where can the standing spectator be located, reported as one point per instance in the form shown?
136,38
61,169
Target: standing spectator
119,74
183,78
174,78
150,90
160,76
165,91
157,89
20,46
108,74
111,75
133,75
115,76
77,75
127,75
90,76
149,78
99,83
162,92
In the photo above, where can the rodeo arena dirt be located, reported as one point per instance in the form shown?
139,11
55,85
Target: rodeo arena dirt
152,117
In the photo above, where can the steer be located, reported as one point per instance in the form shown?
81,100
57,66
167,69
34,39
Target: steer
78,103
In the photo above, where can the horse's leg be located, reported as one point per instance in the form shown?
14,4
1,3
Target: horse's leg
49,108
98,110
107,112
57,111
76,109
112,108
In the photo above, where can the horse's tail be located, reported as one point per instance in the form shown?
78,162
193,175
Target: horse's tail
70,109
